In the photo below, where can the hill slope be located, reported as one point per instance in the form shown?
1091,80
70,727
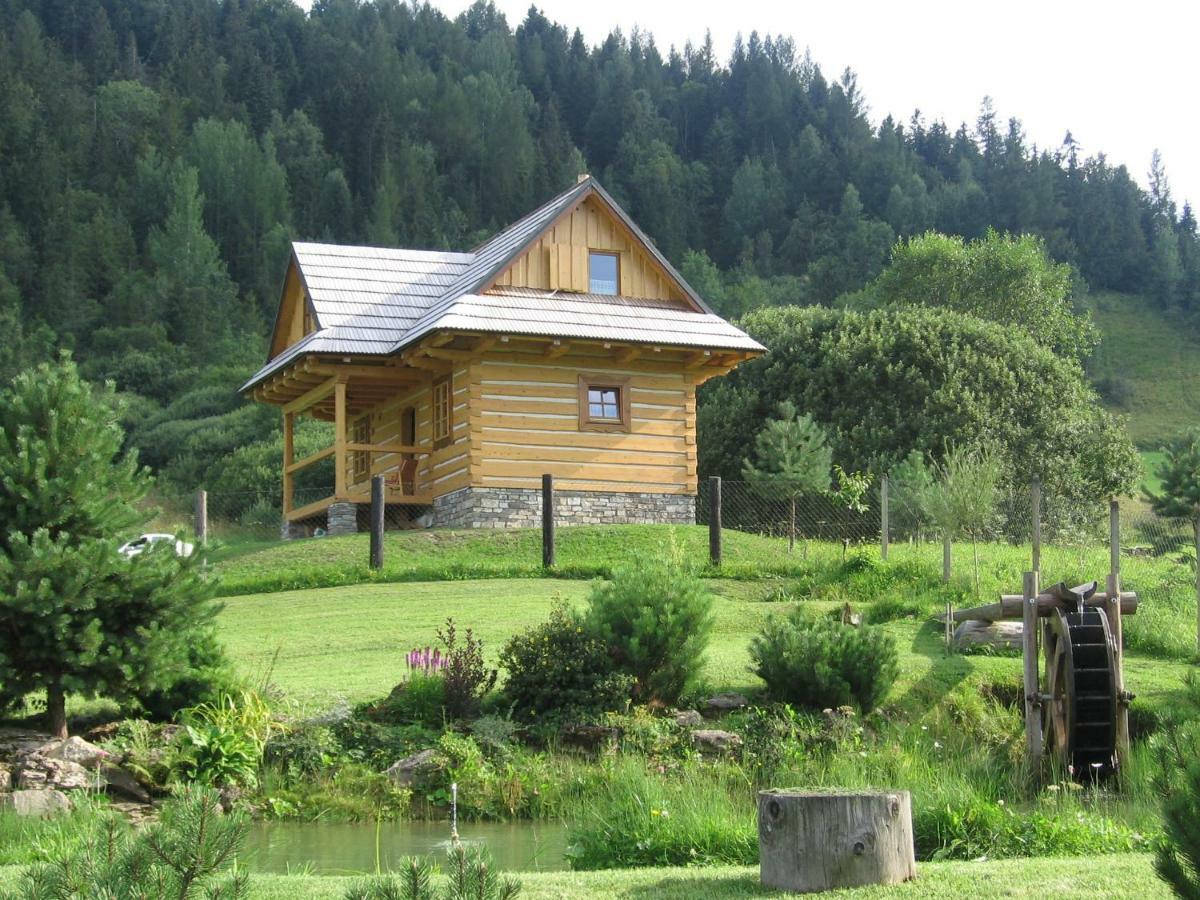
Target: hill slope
1156,357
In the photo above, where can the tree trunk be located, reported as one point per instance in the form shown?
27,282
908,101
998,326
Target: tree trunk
818,841
56,711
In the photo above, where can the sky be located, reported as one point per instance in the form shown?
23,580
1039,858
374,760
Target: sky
1121,77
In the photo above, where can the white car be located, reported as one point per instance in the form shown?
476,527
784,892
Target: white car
137,545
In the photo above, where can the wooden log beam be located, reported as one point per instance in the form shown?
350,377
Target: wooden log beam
556,348
389,448
339,440
1010,607
311,397
288,460
629,354
307,461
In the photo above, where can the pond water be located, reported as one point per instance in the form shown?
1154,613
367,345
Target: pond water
355,848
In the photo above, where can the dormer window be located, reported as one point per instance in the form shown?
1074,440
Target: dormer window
604,273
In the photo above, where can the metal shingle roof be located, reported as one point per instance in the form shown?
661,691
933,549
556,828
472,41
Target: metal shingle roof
377,301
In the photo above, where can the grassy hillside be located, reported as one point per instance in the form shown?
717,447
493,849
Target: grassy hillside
1156,357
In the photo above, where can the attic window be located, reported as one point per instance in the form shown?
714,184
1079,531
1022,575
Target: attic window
604,272
603,404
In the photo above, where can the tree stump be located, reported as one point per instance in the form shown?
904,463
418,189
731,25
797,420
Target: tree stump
820,840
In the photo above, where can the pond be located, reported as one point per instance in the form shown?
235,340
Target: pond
355,848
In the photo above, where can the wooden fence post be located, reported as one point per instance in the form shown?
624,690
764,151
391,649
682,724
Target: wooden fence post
947,553
714,519
548,521
1035,502
883,517
200,523
1117,627
1197,527
377,518
1029,642
1114,537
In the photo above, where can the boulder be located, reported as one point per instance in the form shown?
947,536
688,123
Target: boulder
1003,635
727,701
590,738
41,772
122,784
410,769
5,779
688,718
76,750
36,803
711,740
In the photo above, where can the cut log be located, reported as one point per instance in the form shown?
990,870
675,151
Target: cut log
1009,607
821,840
998,635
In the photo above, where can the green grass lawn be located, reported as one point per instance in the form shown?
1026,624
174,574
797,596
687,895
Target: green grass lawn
349,642
1128,875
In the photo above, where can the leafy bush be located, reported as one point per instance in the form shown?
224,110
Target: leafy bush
303,750
182,855
656,619
560,670
421,700
821,664
471,876
379,744
467,679
223,742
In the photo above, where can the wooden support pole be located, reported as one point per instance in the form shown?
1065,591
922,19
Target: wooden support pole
339,441
548,521
1117,628
1029,640
1114,537
947,553
883,517
1035,503
714,520
289,461
378,507
201,517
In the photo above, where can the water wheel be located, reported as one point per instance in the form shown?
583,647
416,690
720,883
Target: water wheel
1081,685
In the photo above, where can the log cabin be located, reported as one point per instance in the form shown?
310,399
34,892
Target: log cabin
566,344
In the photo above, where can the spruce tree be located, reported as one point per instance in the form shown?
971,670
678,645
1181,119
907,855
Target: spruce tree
76,616
791,458
1179,474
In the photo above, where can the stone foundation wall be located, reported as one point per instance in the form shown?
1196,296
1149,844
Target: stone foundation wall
522,508
342,518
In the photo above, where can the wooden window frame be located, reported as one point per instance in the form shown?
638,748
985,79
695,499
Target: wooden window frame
360,460
616,256
598,382
448,438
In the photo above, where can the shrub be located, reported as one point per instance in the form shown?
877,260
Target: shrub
821,664
471,875
207,675
656,619
304,750
379,744
421,700
560,670
223,742
467,679
182,855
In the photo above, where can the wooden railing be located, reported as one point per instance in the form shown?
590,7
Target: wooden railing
403,488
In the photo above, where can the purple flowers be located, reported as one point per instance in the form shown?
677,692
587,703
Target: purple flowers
427,661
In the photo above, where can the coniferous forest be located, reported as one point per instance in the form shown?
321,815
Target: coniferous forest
156,158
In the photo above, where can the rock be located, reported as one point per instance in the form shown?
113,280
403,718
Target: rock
727,701
408,770
76,750
996,635
42,773
688,718
121,783
18,742
36,803
230,795
590,738
5,780
711,740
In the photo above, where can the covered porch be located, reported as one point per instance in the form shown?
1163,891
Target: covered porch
341,393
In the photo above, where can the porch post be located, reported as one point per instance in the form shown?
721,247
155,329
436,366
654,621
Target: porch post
289,457
339,441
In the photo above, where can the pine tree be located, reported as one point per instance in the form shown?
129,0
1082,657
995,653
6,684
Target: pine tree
77,617
1179,474
791,458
